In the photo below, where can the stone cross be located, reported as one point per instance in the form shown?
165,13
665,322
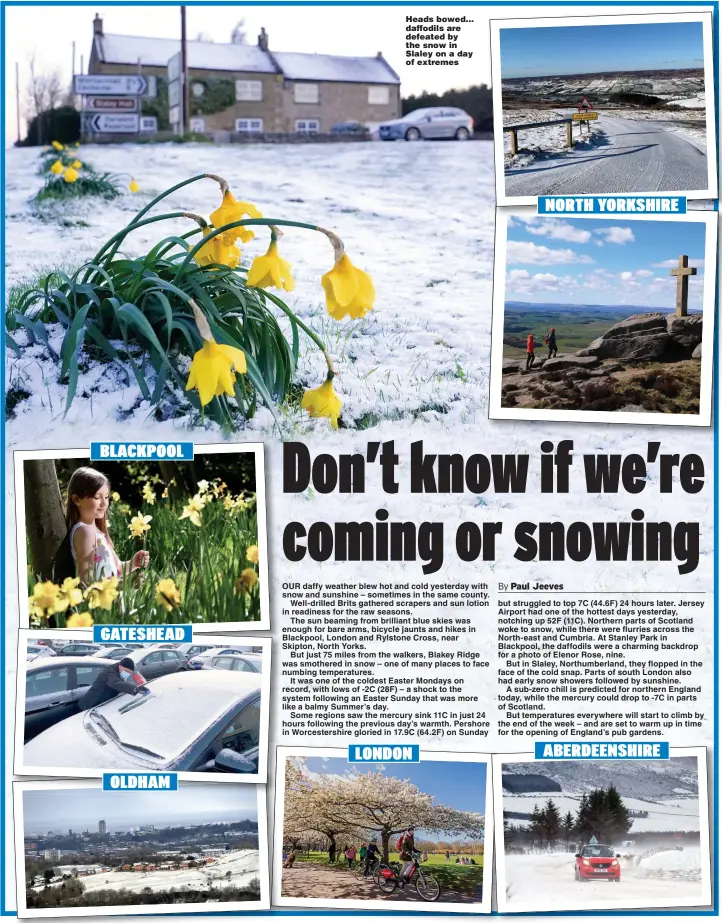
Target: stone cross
683,272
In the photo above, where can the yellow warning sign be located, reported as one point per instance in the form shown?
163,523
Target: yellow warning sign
584,116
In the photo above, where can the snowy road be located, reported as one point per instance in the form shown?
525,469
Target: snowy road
637,156
546,883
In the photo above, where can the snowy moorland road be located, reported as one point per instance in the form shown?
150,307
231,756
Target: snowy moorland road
639,157
546,883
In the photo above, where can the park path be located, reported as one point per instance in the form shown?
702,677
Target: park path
639,156
311,880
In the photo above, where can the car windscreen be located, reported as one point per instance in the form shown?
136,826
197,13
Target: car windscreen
168,719
598,852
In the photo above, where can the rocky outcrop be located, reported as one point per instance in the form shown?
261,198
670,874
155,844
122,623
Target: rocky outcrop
648,338
566,363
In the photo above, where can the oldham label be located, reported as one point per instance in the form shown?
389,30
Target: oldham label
140,781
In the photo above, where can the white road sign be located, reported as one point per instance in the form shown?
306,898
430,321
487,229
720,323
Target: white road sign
113,122
110,103
111,84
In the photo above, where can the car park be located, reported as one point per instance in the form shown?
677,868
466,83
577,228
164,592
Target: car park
36,651
53,687
432,123
79,649
196,662
193,721
239,663
597,861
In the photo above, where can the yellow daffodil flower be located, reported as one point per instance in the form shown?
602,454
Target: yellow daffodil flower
214,369
192,510
247,580
218,250
271,271
252,554
229,503
230,211
57,168
57,145
76,164
70,593
115,496
164,495
44,600
139,525
80,620
102,595
167,594
148,494
349,290
70,175
203,486
133,186
323,402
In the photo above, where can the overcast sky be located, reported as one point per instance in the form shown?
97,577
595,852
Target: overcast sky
349,31
61,809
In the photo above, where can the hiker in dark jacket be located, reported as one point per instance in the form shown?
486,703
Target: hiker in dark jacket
113,681
551,341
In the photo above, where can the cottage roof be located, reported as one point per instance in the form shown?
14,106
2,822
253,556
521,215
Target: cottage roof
156,52
327,67
241,58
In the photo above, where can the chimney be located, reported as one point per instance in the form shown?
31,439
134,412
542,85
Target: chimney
97,25
263,40
379,54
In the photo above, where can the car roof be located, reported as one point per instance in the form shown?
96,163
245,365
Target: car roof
66,661
152,649
249,656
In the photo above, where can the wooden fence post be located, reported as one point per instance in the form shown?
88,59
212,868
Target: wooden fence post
514,143
569,135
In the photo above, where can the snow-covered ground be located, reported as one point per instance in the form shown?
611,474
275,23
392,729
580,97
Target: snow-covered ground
243,865
546,883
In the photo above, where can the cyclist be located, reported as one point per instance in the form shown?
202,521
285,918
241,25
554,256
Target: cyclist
406,847
372,855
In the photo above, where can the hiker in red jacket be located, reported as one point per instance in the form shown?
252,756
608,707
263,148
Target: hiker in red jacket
530,351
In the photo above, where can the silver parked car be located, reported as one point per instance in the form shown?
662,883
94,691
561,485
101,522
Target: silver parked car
432,123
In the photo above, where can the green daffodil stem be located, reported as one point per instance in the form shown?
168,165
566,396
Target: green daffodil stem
307,330
260,222
135,220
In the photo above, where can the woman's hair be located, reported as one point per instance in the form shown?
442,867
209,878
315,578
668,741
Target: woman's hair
85,482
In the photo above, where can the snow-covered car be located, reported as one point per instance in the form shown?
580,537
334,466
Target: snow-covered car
196,662
207,721
115,653
53,687
36,651
241,663
429,123
597,862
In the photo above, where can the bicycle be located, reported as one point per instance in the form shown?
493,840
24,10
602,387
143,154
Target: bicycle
373,868
388,878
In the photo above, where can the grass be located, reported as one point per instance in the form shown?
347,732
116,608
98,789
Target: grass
205,562
575,329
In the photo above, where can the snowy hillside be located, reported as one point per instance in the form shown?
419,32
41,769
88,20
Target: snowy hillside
645,779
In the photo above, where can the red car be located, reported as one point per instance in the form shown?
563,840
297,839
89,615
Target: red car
597,862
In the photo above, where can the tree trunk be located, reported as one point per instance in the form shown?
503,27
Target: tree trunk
171,474
44,516
385,836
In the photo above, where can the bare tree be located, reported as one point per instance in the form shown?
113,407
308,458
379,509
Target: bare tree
44,93
238,35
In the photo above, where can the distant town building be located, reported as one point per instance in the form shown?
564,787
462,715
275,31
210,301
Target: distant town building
52,855
250,89
102,828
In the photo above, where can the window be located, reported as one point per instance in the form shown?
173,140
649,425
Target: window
305,93
245,729
198,125
243,666
84,676
46,682
223,663
152,658
249,90
198,649
253,126
307,126
378,96
171,656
